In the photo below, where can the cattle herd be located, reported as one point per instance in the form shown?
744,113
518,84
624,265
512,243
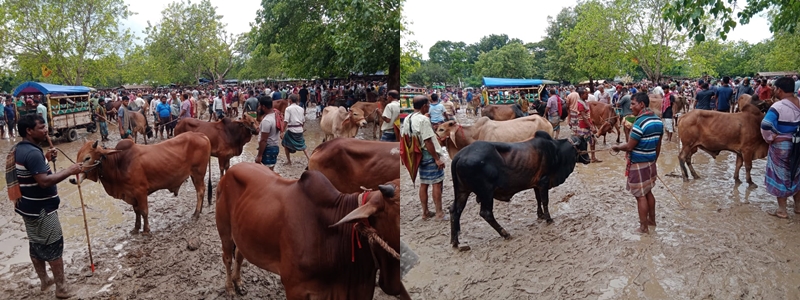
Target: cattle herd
335,230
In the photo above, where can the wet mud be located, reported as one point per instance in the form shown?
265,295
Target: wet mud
160,266
722,245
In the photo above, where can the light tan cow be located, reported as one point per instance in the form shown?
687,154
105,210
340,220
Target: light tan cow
517,130
338,122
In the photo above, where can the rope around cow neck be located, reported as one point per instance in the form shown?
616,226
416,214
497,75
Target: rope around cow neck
374,238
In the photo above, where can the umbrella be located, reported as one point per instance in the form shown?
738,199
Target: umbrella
410,154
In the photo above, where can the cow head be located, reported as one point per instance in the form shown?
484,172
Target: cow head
580,145
447,129
249,123
355,116
383,212
91,157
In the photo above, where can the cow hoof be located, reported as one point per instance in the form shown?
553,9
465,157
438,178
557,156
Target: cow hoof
241,290
196,217
540,215
737,180
135,231
549,220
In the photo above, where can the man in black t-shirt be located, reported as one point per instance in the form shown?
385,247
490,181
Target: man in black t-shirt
303,96
39,203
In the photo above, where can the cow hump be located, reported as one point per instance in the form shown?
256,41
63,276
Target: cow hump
124,144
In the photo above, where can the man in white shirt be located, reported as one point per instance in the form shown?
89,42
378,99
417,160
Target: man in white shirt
42,111
153,104
658,91
292,133
391,114
431,167
268,137
219,106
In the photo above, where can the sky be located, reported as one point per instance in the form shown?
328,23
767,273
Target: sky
469,20
237,14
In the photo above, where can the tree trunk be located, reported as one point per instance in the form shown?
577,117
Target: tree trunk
394,76
591,85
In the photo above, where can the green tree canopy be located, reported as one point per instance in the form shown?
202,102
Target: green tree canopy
511,61
72,38
334,37
694,14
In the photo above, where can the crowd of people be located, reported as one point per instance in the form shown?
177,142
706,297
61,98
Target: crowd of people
780,129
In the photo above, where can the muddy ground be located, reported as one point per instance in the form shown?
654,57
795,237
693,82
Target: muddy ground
135,266
722,245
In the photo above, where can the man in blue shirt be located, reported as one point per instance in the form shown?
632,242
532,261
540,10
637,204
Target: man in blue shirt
437,113
704,97
164,111
643,147
725,96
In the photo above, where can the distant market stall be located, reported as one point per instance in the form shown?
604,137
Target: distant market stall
68,107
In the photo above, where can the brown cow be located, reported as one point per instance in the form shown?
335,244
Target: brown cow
353,163
140,126
714,131
295,228
473,105
338,122
503,112
227,136
130,172
372,114
280,105
604,117
516,130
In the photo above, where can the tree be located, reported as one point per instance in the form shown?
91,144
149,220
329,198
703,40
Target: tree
510,61
556,62
691,14
191,42
594,45
334,37
651,39
429,73
409,61
69,37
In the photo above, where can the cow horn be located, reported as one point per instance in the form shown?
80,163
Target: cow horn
362,212
95,144
387,190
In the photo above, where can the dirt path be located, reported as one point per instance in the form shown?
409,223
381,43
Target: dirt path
134,266
723,245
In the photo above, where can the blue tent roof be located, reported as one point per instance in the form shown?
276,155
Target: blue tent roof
501,82
31,87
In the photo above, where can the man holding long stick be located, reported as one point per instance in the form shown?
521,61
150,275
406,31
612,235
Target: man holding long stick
39,201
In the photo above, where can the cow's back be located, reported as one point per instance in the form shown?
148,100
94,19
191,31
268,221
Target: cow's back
330,116
211,130
515,130
351,163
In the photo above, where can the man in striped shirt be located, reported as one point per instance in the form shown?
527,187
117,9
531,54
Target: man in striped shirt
39,203
643,149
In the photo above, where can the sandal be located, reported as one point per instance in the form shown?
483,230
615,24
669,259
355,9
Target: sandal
428,215
779,215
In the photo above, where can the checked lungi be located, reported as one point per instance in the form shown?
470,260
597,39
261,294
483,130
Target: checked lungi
777,177
429,173
294,141
45,236
641,178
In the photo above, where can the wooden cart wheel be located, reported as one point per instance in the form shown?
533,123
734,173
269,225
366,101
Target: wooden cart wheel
71,135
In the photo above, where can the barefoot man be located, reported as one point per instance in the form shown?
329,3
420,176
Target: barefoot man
643,149
292,133
779,126
39,201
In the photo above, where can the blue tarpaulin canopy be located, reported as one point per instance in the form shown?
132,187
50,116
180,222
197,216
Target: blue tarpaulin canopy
31,87
509,82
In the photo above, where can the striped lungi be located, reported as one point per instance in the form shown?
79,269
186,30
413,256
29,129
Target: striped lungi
777,177
641,178
45,237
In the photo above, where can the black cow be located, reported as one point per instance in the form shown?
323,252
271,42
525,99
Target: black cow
541,107
500,170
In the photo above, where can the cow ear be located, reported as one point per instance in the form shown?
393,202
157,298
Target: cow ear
346,121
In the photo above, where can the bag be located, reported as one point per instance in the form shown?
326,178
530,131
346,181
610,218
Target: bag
12,184
794,154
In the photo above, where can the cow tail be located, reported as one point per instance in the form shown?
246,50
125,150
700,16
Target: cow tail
209,181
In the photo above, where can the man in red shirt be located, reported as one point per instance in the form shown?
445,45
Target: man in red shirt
765,92
581,122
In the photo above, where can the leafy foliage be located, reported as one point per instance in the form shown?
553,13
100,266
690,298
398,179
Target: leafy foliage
693,14
72,38
511,61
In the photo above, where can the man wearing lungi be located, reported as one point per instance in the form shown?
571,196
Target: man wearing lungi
431,169
269,134
643,149
390,116
553,110
292,134
580,121
778,128
39,203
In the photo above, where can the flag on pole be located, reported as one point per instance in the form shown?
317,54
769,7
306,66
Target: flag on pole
46,72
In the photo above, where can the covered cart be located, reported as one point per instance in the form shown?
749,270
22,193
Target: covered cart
68,107
498,88
407,95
